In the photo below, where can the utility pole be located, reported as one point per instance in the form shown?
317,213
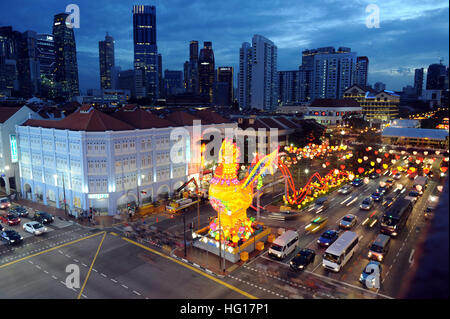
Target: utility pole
64,195
184,233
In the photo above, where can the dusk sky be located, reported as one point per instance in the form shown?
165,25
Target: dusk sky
412,33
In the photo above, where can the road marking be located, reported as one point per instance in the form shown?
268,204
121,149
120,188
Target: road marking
113,280
192,268
92,265
48,250
124,286
352,201
411,256
342,203
134,291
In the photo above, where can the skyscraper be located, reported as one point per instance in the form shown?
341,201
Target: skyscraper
362,71
145,47
245,75
288,90
206,70
28,64
66,66
418,81
192,68
106,59
333,72
9,42
436,77
264,92
173,82
160,75
225,75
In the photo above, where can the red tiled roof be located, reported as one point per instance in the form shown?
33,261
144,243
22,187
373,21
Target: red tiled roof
334,103
85,119
286,122
212,117
7,112
183,118
140,119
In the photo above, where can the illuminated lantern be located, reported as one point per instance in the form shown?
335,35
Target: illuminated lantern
342,167
360,170
425,153
437,152
378,171
324,165
372,163
327,163
446,159
365,158
369,148
378,160
394,171
410,159
403,152
386,155
415,152
360,160
393,161
351,176
412,169
397,156
444,169
417,161
391,152
366,180
426,170
385,166
376,152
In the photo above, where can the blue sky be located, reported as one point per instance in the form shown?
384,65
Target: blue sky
412,33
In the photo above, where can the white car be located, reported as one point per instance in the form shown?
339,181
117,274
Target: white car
34,228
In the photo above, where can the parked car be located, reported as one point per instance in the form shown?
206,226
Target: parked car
4,203
345,190
10,219
367,204
316,224
43,217
348,221
327,238
303,259
372,268
11,237
34,228
19,211
357,182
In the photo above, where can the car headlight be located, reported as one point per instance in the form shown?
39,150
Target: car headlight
327,244
21,238
12,240
380,258
369,254
301,266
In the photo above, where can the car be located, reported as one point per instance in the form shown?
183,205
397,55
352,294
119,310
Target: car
10,219
34,228
374,175
429,212
2,228
11,237
413,195
43,217
377,196
303,259
316,224
345,190
382,189
327,238
320,204
389,183
357,182
19,211
397,176
373,268
367,204
4,203
348,221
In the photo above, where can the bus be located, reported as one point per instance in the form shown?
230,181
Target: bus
340,252
395,218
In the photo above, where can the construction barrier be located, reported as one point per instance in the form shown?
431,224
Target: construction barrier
244,256
271,238
260,246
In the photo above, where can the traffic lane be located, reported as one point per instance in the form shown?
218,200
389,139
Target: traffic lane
151,275
36,244
401,255
28,279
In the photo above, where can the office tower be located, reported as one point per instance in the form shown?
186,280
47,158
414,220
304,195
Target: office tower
145,47
418,81
106,59
264,92
192,70
225,75
245,75
160,75
186,76
333,71
173,82
436,77
206,70
115,70
46,54
379,86
362,71
9,42
288,90
28,65
132,80
66,67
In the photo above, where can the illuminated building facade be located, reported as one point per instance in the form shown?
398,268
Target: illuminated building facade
381,106
206,71
106,59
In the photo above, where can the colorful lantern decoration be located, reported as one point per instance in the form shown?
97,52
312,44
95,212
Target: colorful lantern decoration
385,166
360,160
372,163
378,160
360,170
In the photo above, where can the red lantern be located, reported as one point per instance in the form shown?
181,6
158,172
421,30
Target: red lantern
376,152
378,171
327,163
394,171
386,155
342,167
426,170
444,169
397,156
360,170
410,158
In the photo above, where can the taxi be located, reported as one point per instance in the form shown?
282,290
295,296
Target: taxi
316,224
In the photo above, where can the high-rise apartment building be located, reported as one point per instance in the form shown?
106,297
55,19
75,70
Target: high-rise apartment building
288,87
418,81
66,66
362,71
245,75
106,59
145,47
206,71
436,77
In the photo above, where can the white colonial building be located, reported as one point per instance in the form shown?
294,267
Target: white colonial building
105,162
332,112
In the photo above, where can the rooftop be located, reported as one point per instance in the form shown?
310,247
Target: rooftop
434,134
7,112
334,103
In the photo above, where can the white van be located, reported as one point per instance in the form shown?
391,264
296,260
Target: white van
284,244
340,252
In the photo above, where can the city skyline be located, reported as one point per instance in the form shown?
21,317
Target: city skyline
394,50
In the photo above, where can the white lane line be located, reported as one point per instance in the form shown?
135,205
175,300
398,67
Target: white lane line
103,275
113,280
411,256
124,286
352,201
134,291
345,200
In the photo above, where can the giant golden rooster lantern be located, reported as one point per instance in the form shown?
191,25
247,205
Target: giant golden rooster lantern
231,197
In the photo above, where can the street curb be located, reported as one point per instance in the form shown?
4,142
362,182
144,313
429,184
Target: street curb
195,265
